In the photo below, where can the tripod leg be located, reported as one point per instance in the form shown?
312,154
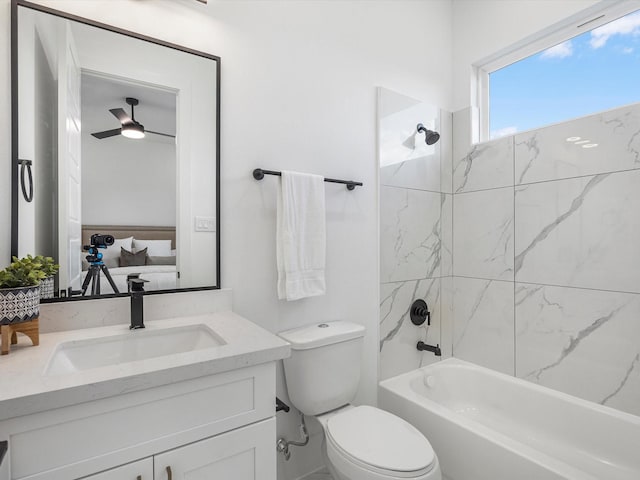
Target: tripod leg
108,275
95,278
85,283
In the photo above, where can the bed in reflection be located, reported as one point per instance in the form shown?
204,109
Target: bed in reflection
149,251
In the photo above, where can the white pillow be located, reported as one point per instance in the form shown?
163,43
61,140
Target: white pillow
155,248
113,251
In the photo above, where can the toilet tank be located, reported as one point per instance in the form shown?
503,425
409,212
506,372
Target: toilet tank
323,370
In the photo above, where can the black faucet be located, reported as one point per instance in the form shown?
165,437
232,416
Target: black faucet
136,290
430,348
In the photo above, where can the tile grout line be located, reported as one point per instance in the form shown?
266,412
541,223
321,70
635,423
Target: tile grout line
513,165
411,188
579,288
453,260
554,285
612,172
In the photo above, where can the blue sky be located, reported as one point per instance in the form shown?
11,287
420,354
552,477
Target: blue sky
594,71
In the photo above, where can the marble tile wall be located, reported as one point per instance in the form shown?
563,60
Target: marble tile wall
546,263
416,225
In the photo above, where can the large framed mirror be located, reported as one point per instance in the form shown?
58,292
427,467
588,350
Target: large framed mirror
115,156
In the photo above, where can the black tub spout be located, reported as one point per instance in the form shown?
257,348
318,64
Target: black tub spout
430,348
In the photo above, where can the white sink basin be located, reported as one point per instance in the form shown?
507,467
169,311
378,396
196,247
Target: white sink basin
77,355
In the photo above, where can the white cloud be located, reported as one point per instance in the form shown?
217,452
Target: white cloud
564,49
629,25
627,50
503,132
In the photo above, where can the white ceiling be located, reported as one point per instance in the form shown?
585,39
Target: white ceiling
156,110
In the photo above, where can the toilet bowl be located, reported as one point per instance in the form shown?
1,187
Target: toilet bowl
366,443
360,443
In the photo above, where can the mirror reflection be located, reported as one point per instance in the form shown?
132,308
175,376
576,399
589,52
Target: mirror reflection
121,135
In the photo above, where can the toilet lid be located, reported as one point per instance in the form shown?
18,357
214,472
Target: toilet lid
380,439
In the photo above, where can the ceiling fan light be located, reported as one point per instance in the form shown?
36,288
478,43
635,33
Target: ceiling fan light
133,130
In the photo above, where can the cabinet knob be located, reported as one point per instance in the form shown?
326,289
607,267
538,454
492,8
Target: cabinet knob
169,474
139,477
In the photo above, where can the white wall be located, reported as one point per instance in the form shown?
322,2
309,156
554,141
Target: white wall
484,27
128,182
298,92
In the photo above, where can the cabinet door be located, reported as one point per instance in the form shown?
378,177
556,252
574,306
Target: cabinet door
140,470
247,453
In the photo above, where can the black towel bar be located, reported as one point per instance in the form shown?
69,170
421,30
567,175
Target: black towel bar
259,174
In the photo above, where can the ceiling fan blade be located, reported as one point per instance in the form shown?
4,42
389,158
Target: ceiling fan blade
158,133
107,133
121,115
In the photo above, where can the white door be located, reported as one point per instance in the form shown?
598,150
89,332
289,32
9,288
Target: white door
247,453
69,153
140,470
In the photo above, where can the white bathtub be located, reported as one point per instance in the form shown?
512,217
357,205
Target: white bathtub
485,425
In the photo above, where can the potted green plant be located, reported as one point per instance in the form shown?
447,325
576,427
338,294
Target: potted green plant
50,268
20,290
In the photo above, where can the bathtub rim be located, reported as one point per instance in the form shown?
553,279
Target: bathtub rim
404,380
400,386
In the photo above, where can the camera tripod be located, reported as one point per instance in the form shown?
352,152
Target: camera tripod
96,265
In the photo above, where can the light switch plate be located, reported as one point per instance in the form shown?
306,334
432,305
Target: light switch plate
205,224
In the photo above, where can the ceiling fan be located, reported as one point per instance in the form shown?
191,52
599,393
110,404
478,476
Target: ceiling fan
130,127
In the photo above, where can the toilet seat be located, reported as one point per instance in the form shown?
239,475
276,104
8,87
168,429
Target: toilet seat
379,442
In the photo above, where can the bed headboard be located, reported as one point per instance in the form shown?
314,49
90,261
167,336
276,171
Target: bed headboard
124,231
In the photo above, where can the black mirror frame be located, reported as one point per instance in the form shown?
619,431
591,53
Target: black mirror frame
14,133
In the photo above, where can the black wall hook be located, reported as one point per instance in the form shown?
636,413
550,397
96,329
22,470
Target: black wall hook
281,406
420,313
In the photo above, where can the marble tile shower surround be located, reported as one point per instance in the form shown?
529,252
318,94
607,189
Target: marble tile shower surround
483,234
552,153
446,234
580,232
410,234
416,223
398,335
486,165
483,323
568,337
566,315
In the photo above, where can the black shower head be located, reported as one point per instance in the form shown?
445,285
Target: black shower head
430,137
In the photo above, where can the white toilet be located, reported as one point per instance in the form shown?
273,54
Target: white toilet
360,443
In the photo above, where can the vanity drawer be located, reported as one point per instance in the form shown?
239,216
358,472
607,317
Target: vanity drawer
75,441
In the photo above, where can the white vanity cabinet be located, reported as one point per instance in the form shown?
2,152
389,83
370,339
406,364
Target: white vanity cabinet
243,454
140,470
215,426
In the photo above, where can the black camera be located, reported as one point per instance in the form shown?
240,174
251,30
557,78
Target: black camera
102,241
97,241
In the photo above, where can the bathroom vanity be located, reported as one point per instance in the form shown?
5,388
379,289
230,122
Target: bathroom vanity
190,396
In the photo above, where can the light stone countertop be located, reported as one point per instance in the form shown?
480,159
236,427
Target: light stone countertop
25,389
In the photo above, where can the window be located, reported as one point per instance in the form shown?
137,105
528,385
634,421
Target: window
594,71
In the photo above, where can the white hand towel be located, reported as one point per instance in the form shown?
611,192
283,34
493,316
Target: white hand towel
301,236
